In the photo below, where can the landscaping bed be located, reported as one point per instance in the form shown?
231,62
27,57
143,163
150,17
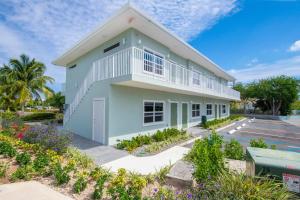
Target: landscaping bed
218,123
43,154
146,145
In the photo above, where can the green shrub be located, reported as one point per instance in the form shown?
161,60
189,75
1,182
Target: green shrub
216,123
124,187
159,136
61,174
7,149
22,173
23,159
80,184
98,172
7,132
207,156
7,119
40,162
39,116
82,160
234,150
161,175
99,187
259,143
3,169
239,186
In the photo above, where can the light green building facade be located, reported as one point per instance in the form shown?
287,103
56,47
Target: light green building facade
132,83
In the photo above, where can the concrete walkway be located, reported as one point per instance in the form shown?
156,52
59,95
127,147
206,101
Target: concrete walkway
148,164
29,190
99,153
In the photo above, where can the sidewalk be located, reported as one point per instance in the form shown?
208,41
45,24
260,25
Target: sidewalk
149,164
29,190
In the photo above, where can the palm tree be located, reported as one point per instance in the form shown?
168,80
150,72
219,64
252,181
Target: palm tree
57,100
26,79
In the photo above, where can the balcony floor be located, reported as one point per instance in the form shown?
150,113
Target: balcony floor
160,85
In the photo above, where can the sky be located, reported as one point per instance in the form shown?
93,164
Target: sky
250,39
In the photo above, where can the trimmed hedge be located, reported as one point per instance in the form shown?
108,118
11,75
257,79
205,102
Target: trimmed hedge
216,123
39,116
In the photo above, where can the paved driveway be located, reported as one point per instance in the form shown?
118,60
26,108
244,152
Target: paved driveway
284,135
99,153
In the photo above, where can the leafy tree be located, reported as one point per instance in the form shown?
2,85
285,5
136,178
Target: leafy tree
244,94
25,79
57,100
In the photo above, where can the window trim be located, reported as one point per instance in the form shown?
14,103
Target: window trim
156,54
154,123
212,109
225,109
197,117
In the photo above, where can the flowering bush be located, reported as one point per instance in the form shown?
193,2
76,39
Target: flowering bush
80,183
61,174
49,137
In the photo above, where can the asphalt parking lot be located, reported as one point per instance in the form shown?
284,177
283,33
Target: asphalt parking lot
284,135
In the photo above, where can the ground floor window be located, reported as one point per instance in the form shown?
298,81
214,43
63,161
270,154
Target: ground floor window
153,112
196,110
223,108
208,109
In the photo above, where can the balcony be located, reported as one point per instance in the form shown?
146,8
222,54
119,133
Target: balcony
152,71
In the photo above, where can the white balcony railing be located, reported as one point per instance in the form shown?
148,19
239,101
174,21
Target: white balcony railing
154,67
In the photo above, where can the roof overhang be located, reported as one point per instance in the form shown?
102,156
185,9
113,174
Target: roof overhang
130,17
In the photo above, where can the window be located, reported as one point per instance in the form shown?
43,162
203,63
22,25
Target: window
195,110
153,63
196,78
209,83
223,108
153,112
208,109
111,47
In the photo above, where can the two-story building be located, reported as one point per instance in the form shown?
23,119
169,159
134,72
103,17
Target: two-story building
132,76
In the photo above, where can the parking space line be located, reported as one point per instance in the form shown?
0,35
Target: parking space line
268,135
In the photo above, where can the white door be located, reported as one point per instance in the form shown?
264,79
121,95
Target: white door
99,120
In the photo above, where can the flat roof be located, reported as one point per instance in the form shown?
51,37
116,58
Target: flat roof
130,17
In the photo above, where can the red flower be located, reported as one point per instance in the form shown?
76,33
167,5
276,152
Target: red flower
20,136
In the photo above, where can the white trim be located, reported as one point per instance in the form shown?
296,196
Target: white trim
170,101
155,53
212,109
104,121
154,123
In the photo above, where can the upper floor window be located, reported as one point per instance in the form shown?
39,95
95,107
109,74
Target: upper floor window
196,110
153,112
209,83
153,63
208,109
196,78
224,109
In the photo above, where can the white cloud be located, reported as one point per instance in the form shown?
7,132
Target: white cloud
62,23
295,46
10,42
289,66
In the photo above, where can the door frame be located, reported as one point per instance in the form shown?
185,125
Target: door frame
170,102
188,113
93,124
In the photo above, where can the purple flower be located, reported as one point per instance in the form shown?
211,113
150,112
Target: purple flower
155,189
189,195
